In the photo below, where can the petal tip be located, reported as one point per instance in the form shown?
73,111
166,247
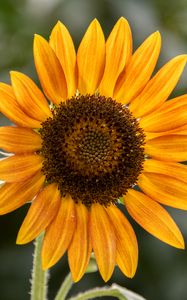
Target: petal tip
77,277
180,244
14,74
181,58
45,265
20,240
106,277
59,25
123,20
131,275
156,36
38,38
95,23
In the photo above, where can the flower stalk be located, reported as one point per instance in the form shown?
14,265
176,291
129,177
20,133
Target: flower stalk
68,282
39,277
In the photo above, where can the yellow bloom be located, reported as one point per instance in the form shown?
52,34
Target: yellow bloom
103,127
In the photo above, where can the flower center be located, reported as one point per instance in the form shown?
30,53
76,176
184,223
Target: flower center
94,146
92,149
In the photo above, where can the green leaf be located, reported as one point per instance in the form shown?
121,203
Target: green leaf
115,290
127,293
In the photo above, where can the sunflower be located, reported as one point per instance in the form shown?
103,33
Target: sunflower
102,136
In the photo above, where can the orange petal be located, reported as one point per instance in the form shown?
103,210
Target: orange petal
175,110
19,139
91,59
153,218
139,69
127,246
103,240
175,170
10,108
62,44
49,70
43,209
59,233
168,148
14,195
182,130
159,87
80,248
29,97
19,167
118,53
164,189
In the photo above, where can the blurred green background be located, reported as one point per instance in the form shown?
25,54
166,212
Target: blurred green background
162,270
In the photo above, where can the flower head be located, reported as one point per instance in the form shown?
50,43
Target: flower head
102,129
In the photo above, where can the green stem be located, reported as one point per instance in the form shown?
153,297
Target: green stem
39,277
65,287
68,282
100,292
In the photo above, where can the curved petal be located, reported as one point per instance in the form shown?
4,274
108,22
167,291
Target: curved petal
164,189
175,170
118,53
139,69
153,218
127,246
80,248
59,233
182,130
159,87
43,209
19,139
62,44
49,70
175,110
19,167
14,195
10,108
91,59
103,240
29,97
168,148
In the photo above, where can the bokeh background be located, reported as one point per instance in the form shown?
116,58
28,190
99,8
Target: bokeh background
162,271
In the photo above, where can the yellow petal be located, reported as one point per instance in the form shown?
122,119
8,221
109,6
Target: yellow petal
164,189
80,248
19,167
168,148
127,246
14,195
29,97
19,139
175,110
62,44
182,130
159,87
118,53
139,69
59,233
49,70
91,59
103,240
10,108
175,170
153,218
42,211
